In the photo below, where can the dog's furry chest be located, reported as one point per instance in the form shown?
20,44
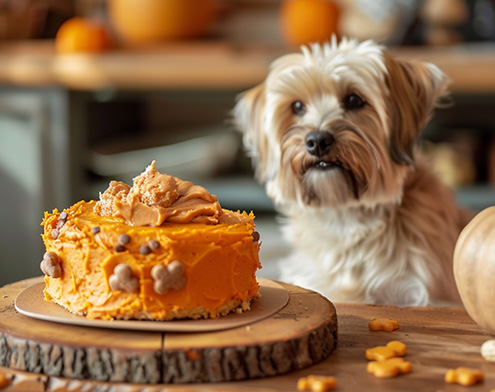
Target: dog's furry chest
335,236
352,256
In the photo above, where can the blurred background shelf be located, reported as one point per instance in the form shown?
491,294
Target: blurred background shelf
63,139
71,123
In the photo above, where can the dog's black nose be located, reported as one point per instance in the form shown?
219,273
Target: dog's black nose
318,143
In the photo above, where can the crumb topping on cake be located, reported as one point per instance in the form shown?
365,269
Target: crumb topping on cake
155,198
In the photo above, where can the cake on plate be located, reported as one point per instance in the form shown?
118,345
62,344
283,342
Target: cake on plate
160,249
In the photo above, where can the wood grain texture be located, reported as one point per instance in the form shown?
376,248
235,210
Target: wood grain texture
437,339
217,65
74,352
301,334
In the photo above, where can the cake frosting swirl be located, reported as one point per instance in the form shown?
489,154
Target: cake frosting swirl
155,198
160,249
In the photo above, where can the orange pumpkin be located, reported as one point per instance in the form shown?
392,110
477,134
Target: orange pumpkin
147,21
306,21
80,34
474,268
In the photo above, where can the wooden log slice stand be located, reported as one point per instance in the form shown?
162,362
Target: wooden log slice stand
302,333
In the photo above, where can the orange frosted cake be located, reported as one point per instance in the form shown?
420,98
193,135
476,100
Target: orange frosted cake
162,249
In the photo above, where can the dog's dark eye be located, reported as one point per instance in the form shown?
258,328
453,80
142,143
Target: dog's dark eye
353,102
298,108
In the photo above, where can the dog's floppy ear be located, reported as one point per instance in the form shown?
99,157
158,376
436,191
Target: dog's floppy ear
415,87
249,117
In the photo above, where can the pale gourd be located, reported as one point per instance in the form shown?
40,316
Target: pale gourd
474,268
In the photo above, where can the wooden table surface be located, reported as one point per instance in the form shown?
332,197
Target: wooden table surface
437,339
206,65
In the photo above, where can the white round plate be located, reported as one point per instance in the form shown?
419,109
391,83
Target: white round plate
30,302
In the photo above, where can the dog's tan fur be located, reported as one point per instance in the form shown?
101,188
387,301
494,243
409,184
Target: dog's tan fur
378,226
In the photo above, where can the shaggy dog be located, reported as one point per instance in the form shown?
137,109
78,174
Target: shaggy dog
333,135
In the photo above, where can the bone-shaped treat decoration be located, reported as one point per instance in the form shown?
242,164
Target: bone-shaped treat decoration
168,277
123,279
51,265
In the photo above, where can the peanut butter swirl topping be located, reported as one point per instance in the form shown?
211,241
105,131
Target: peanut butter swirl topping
155,198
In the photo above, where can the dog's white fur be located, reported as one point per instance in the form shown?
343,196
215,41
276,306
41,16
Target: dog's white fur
368,222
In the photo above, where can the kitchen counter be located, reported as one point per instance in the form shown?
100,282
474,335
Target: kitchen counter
206,65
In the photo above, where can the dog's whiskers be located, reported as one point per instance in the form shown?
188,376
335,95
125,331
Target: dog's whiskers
295,128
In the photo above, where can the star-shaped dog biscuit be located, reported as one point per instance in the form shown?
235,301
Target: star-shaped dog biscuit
391,350
383,324
389,367
464,376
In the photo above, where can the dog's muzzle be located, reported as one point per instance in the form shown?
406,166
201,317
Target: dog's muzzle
318,144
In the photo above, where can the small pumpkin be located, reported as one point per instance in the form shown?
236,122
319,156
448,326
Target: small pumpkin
82,35
139,22
305,21
474,268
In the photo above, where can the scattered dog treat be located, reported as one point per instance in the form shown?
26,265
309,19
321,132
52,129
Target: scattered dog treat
123,279
488,350
389,368
391,350
383,324
315,383
464,376
386,361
